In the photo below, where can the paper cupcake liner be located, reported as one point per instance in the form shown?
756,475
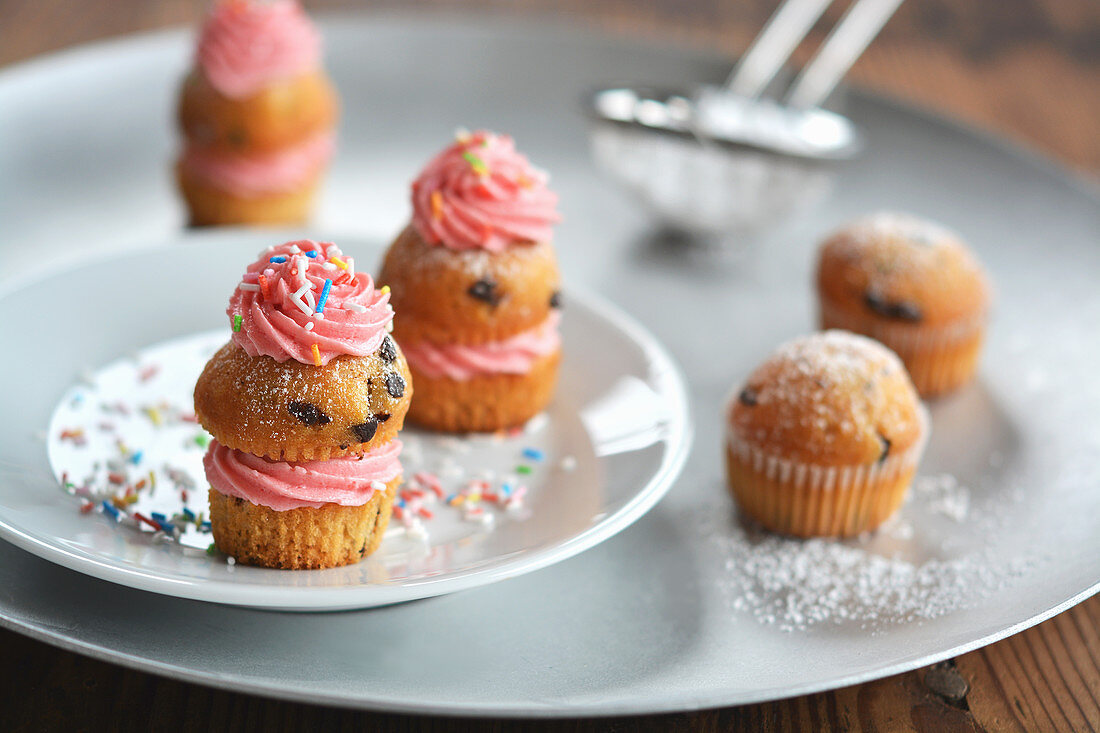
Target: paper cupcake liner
938,359
807,500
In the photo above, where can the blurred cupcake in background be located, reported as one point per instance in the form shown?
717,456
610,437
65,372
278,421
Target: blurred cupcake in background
257,114
914,286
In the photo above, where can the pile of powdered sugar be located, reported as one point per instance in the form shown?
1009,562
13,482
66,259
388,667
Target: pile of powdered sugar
796,584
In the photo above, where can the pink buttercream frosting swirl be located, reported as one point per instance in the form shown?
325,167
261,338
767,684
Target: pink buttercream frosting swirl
255,175
246,45
285,308
514,355
282,485
481,193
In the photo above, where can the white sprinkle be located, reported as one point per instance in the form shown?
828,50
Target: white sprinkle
377,486
309,325
389,327
355,307
249,286
350,261
231,560
329,266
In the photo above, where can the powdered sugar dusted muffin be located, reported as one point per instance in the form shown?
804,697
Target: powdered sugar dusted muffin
912,285
304,404
257,113
476,280
825,436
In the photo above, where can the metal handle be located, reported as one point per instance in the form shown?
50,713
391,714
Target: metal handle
845,43
768,52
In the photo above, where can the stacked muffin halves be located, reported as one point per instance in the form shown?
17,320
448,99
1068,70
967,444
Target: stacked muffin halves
304,403
257,114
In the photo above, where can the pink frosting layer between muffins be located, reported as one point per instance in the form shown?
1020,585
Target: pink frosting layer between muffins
284,311
279,485
255,175
515,355
481,193
246,44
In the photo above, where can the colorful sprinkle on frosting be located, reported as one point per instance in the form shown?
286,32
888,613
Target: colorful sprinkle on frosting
290,307
481,193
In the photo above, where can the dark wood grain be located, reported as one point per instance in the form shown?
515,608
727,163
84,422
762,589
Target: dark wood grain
1029,69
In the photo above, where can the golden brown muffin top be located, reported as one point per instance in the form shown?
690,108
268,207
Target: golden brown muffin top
832,398
470,296
904,269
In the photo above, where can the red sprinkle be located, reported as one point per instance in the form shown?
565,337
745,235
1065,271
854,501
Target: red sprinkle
151,522
116,478
265,290
398,512
425,512
183,495
86,507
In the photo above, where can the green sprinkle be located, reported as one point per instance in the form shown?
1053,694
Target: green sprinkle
201,440
476,163
211,549
523,470
237,323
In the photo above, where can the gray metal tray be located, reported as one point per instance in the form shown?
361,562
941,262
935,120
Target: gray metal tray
647,621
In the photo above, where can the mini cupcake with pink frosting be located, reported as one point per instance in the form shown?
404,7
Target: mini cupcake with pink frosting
476,280
305,403
257,114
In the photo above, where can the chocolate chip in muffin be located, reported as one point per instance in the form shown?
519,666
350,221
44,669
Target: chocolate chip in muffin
395,385
388,350
381,416
364,431
885,447
237,137
485,290
748,397
901,310
555,299
308,413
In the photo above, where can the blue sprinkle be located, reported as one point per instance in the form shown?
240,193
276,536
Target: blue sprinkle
324,296
206,526
167,526
312,253
534,454
401,503
278,260
159,517
451,498
506,489
110,508
189,514
136,458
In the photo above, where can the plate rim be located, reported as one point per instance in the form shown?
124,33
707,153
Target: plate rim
678,444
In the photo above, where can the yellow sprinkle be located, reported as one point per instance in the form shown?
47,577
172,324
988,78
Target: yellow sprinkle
385,289
152,481
437,205
131,499
475,497
316,355
339,263
154,415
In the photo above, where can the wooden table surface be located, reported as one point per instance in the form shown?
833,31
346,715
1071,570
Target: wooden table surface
1029,69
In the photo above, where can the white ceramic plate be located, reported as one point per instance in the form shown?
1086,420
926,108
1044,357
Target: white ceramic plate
652,619
605,451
